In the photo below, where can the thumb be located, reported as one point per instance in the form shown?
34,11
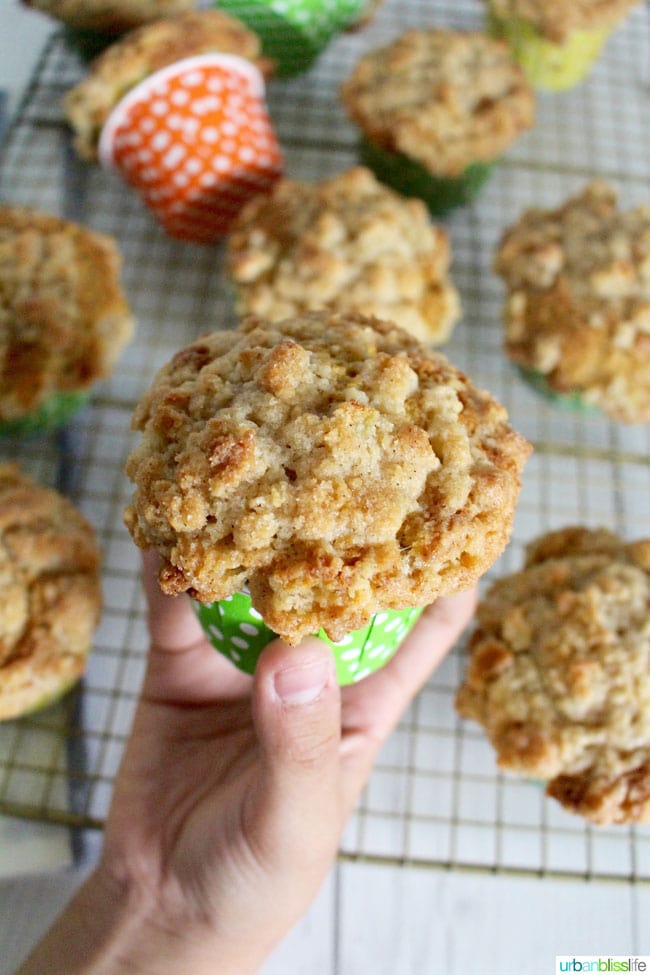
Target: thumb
297,713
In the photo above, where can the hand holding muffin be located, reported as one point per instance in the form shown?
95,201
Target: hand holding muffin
228,808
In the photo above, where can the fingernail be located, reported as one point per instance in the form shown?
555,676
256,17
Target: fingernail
303,683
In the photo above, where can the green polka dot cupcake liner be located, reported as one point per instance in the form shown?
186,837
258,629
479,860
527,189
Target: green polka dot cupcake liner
410,178
236,629
53,413
294,32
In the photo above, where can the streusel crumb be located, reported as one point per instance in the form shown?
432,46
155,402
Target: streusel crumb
64,318
345,244
330,463
443,98
51,595
578,306
557,19
559,672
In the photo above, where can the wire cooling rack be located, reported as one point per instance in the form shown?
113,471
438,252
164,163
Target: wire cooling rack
436,797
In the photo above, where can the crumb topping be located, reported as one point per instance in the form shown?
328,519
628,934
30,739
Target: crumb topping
578,307
443,98
50,589
344,244
63,316
557,19
331,463
559,672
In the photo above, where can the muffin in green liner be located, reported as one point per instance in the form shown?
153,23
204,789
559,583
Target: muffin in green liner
330,465
237,630
65,317
440,193
576,308
52,414
436,110
294,32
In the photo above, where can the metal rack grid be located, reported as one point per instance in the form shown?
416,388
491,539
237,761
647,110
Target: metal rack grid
436,797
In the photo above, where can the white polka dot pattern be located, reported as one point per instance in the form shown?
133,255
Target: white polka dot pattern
237,630
196,141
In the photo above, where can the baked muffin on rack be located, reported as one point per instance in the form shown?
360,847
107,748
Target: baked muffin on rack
559,672
577,316
144,51
332,464
346,244
556,43
51,593
64,317
436,109
109,16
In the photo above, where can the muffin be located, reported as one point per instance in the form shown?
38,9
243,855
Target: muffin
49,577
559,672
294,32
346,244
329,465
64,318
143,52
436,109
113,17
577,316
556,43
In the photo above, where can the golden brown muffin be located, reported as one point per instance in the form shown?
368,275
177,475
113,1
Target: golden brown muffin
142,52
578,307
331,463
113,17
559,672
443,98
63,316
51,594
345,244
557,19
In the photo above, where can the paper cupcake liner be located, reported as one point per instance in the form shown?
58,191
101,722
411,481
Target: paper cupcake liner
294,32
238,631
573,400
550,66
410,178
52,414
195,140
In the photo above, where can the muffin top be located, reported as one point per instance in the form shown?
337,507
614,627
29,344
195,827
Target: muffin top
344,244
578,309
331,463
51,595
559,672
113,17
443,98
556,19
144,51
63,316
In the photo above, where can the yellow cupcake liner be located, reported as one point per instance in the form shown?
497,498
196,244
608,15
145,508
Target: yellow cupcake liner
550,66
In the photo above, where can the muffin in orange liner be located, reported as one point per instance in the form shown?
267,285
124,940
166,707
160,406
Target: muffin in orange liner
195,140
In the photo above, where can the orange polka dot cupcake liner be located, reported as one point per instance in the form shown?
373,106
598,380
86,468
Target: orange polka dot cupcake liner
196,141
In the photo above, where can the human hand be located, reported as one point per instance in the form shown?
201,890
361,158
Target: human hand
233,792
